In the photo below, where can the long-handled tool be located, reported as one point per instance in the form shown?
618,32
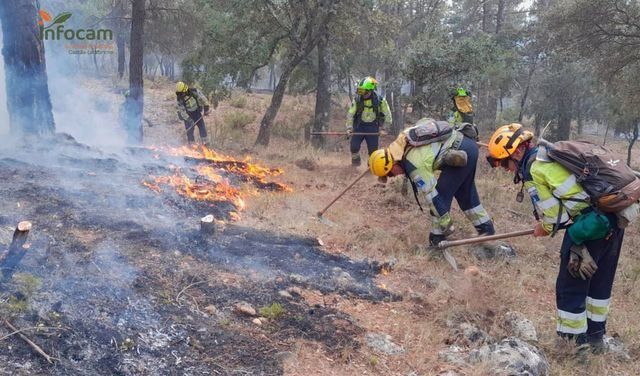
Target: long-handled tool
321,212
195,123
481,239
344,134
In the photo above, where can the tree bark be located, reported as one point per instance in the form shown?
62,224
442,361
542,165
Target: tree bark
633,140
264,134
28,100
120,28
135,101
500,16
323,94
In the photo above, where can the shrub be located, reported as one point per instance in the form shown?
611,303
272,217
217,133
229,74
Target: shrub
238,102
238,119
273,311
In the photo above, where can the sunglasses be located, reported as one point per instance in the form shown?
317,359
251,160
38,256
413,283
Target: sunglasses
504,163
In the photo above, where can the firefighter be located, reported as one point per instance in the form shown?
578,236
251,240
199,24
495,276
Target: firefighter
462,109
368,112
190,106
587,271
456,158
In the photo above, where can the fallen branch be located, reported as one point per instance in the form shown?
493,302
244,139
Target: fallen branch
186,288
35,347
28,329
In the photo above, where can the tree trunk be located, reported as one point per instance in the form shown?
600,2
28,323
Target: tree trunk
276,100
135,101
28,100
485,16
500,16
632,141
323,94
523,100
564,119
120,28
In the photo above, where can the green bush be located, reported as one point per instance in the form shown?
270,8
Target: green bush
238,102
273,311
238,119
287,129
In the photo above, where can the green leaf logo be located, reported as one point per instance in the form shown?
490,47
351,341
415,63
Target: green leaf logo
61,18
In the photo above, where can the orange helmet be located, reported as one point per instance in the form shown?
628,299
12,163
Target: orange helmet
506,139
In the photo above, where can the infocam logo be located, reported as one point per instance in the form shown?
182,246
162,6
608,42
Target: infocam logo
52,28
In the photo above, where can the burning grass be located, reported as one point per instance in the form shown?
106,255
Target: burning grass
210,179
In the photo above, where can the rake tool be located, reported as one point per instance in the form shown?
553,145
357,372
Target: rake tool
481,239
344,134
321,212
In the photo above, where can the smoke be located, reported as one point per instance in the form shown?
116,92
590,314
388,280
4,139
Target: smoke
4,114
81,107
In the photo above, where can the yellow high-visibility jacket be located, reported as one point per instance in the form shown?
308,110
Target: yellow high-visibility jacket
551,186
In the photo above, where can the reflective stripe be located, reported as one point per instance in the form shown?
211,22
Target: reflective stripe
548,203
597,309
553,220
566,186
572,323
431,195
429,185
477,215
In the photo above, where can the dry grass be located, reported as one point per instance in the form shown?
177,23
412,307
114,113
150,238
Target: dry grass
377,222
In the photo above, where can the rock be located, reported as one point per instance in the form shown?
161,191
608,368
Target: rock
471,334
512,356
211,309
342,278
520,326
245,309
295,290
297,278
472,271
617,347
257,322
491,251
285,294
306,164
453,354
382,342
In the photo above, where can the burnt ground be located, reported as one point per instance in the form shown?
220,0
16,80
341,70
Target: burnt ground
130,286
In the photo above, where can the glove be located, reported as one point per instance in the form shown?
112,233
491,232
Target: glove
435,239
539,231
206,110
349,133
581,263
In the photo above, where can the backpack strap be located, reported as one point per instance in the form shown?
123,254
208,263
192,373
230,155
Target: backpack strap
408,168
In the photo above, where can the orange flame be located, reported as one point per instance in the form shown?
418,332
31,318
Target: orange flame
211,186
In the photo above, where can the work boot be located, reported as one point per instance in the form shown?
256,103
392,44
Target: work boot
486,229
356,162
598,346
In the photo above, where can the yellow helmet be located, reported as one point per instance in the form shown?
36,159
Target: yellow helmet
181,87
380,162
506,139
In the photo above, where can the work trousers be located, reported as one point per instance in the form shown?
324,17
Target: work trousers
583,306
198,120
356,140
459,183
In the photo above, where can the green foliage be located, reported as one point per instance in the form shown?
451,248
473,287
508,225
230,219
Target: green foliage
238,119
273,311
238,101
27,284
